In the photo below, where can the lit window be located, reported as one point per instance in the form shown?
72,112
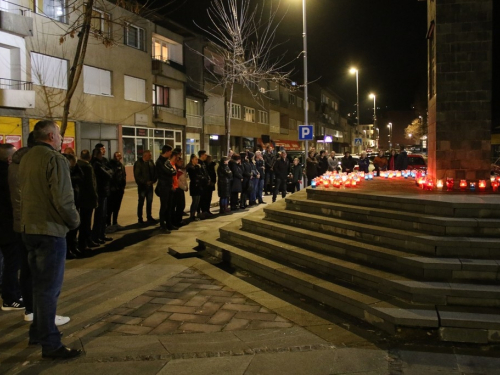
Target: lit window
55,9
249,114
161,95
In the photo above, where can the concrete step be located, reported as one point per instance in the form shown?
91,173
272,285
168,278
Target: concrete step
368,278
431,204
381,311
441,246
383,258
397,218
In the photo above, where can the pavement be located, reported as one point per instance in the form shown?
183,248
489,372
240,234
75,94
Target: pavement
136,309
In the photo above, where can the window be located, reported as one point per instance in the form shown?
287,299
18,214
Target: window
55,9
291,99
161,95
249,114
101,23
292,124
300,102
263,117
236,111
193,107
135,89
135,37
214,63
96,81
167,50
49,71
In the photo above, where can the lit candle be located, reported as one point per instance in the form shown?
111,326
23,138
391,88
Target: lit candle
449,183
482,185
354,183
493,178
463,185
313,184
347,183
398,173
439,184
472,186
494,185
429,184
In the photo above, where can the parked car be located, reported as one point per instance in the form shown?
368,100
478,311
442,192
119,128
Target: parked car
416,161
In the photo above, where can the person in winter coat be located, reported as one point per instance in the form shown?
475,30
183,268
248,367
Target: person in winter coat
348,163
296,171
207,188
196,182
333,164
380,162
247,175
145,177
180,193
225,176
364,163
392,161
88,202
254,180
237,181
269,161
260,165
311,167
322,163
103,178
117,189
402,159
165,188
281,170
210,188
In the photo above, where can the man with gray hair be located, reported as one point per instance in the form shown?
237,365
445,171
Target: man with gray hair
47,213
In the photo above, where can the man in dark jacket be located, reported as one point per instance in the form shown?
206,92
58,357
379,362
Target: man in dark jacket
322,163
88,202
206,194
166,173
9,241
281,170
269,161
402,159
103,178
145,177
348,162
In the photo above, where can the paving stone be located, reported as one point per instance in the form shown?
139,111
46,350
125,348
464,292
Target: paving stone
188,318
121,346
122,311
167,327
218,293
207,366
199,327
255,316
110,368
121,319
138,301
145,310
222,317
236,324
155,319
164,301
240,307
280,337
178,309
197,301
131,329
203,342
264,310
258,324
171,282
208,308
206,286
179,287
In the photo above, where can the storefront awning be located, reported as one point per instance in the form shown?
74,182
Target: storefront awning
287,145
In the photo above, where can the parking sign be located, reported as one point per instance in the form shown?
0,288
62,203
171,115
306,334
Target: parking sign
306,133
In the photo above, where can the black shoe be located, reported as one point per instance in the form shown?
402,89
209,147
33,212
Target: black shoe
165,230
99,241
62,353
262,202
140,220
93,245
152,220
173,227
106,239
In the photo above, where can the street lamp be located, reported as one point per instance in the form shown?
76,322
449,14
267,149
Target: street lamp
374,97
355,71
306,100
389,125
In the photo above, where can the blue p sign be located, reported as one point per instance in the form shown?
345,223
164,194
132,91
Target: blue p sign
306,133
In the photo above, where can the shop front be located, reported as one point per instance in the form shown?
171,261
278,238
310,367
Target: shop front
11,131
91,134
69,139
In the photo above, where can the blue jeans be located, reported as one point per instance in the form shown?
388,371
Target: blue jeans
260,187
255,186
46,257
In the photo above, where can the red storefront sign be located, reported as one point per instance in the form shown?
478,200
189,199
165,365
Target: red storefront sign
287,145
14,140
68,142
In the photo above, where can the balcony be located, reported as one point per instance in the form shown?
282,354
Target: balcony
194,121
16,94
16,21
169,69
169,115
214,120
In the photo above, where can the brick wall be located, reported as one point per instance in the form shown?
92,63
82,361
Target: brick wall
460,111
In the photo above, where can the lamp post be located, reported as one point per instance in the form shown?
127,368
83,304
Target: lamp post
306,100
355,71
389,125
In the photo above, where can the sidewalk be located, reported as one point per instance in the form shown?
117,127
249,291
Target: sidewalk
137,310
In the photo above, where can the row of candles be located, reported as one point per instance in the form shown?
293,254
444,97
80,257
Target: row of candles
334,179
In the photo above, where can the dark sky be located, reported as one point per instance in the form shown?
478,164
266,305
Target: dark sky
384,39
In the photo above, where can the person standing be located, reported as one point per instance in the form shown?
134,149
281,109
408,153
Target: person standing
392,161
322,163
88,202
254,180
224,185
311,167
165,172
402,159
261,169
269,160
246,171
145,177
103,177
9,244
364,163
76,175
180,193
47,213
380,163
206,193
348,163
236,182
296,171
117,189
210,188
195,186
333,164
281,169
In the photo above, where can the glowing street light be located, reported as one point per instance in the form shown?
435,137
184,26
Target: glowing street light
355,71
374,97
389,125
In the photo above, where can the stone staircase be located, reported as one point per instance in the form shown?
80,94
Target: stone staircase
398,262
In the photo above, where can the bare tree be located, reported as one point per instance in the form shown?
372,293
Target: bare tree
416,130
242,44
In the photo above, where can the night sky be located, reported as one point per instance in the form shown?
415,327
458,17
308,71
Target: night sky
384,39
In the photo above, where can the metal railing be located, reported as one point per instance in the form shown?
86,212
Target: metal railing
174,64
13,84
157,109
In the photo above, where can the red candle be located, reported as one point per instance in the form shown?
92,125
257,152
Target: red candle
439,184
494,185
347,183
463,185
449,184
482,185
429,184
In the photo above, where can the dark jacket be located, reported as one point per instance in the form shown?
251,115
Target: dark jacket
246,172
212,175
119,179
260,165
402,161
15,187
165,172
237,170
364,164
296,171
102,176
269,160
206,177
225,176
311,168
88,187
281,168
76,175
144,172
348,164
322,165
196,179
6,213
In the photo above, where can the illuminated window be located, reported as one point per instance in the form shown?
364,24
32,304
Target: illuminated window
249,114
